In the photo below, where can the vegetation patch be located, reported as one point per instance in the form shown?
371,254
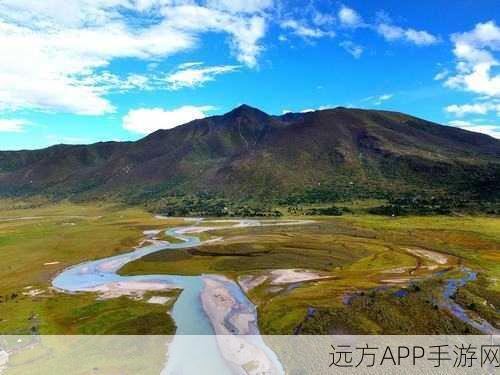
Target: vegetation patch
39,240
387,312
54,313
366,257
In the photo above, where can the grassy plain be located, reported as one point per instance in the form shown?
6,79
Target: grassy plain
37,241
367,257
85,354
471,241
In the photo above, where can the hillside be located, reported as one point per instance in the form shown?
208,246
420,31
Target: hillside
247,154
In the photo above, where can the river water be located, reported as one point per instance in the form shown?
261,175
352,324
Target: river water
451,287
188,313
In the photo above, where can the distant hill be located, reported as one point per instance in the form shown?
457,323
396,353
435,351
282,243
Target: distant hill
247,154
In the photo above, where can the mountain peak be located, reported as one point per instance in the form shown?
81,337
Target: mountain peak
247,154
246,110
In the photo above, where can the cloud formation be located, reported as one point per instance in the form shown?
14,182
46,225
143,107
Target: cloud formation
12,125
476,52
352,48
491,130
241,6
348,17
58,55
195,75
418,37
481,108
55,51
245,30
306,31
148,120
378,99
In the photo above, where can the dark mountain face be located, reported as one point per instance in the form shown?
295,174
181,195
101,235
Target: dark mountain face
248,154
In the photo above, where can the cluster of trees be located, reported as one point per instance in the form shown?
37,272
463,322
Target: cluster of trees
331,194
418,204
310,196
167,200
326,211
207,205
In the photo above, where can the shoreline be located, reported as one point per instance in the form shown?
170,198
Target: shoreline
207,303
235,326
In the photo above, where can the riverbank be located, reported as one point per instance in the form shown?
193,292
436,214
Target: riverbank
232,320
360,252
206,304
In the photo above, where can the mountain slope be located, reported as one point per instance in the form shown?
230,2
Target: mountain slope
248,154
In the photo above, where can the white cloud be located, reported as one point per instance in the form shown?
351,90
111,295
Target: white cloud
348,17
147,120
191,75
152,66
378,99
13,125
382,98
303,30
385,97
491,130
475,108
442,75
51,68
134,81
420,38
53,52
241,6
352,48
391,33
109,82
320,108
189,64
475,51
328,106
322,19
246,31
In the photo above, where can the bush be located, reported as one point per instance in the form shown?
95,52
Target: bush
328,211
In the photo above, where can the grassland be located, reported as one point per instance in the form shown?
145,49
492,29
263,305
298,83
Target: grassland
369,258
37,241
85,354
255,249
53,313
471,241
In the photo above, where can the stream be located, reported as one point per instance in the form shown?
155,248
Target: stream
451,287
188,312
198,311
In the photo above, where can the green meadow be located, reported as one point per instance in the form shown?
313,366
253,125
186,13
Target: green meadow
366,259
37,241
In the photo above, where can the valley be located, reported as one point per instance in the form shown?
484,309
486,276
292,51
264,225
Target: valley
246,162
254,187
357,273
339,221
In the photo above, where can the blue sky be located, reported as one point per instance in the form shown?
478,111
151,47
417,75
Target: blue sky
82,71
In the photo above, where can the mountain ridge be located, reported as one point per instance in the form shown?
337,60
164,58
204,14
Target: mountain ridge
249,154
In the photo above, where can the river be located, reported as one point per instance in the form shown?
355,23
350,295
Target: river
189,313
210,306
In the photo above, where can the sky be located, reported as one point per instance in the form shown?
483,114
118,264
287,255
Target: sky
84,71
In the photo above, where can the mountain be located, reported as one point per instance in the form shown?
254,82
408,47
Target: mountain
247,154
